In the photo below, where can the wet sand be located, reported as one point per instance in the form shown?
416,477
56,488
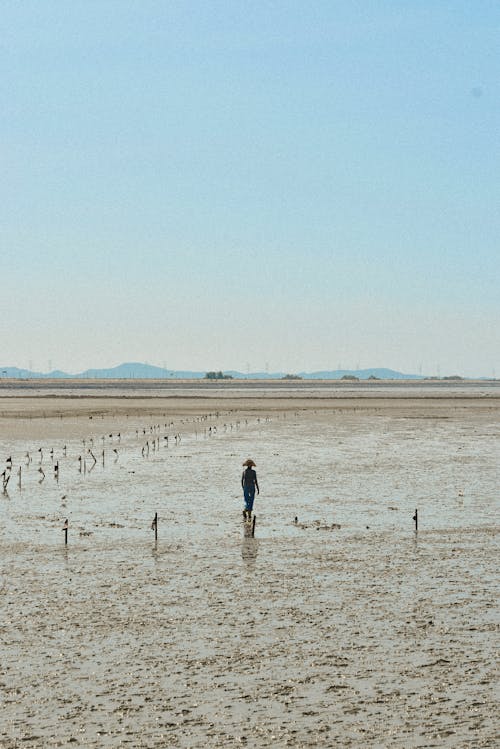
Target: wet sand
309,634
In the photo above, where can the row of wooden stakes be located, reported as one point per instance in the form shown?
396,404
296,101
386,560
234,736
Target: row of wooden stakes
154,527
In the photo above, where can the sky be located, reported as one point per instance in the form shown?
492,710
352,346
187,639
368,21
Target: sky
241,185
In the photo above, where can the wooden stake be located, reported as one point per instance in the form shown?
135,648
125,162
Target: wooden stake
65,529
415,518
154,525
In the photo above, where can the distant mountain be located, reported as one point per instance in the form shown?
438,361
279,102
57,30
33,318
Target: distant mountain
362,374
330,374
128,371
20,374
141,371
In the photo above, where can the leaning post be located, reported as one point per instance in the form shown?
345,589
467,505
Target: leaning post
415,518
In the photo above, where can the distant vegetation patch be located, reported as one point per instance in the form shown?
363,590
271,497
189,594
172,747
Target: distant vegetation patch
218,376
453,378
292,377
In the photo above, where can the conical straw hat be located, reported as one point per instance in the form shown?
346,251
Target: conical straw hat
249,462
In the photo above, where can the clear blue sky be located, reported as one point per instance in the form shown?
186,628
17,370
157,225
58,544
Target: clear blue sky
223,183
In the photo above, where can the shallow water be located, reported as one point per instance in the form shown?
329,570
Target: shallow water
367,635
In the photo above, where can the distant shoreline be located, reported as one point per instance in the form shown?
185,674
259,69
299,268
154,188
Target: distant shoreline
237,384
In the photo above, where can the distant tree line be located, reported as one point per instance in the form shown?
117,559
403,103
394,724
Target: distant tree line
217,376
448,377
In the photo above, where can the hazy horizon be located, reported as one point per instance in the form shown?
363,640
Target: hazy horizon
244,373
280,186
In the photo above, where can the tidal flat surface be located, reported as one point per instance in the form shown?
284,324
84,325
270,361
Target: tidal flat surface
308,634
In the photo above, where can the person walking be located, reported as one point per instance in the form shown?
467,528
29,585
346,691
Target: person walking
249,484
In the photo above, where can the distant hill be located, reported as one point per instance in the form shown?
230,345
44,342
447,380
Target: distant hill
20,374
362,374
133,371
141,371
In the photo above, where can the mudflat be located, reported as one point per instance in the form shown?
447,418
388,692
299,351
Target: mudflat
337,624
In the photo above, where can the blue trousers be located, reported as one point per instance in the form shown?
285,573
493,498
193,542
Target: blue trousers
249,495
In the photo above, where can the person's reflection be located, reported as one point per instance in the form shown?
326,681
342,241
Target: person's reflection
249,549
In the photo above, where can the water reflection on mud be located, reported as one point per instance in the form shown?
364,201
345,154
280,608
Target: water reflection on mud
249,551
